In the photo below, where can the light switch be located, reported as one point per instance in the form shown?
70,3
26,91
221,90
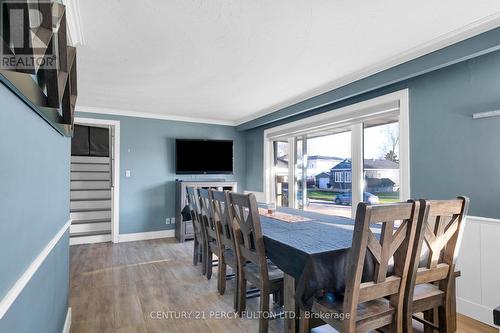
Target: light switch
127,173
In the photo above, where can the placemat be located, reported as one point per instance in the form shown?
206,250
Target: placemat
284,217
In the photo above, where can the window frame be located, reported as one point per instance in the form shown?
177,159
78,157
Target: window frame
352,117
348,177
338,176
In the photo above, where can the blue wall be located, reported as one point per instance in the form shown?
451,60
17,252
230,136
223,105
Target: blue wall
34,206
43,303
451,153
147,148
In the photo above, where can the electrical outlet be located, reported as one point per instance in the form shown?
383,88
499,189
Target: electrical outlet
167,220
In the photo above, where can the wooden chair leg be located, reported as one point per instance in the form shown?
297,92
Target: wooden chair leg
445,320
304,323
275,296
264,311
452,306
397,322
209,262
281,297
408,322
429,316
200,252
204,258
236,299
195,251
392,327
242,292
221,278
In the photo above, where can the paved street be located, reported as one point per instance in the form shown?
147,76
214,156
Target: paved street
330,208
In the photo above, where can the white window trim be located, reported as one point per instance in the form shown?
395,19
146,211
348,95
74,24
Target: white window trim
338,176
349,116
348,176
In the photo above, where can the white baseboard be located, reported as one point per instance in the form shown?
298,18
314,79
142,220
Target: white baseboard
67,322
476,311
23,280
146,235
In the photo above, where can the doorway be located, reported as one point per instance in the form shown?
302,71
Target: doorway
95,165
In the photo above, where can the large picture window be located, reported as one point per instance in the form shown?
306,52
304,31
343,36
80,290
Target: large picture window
335,160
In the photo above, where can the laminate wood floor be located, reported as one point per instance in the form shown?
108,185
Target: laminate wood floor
146,286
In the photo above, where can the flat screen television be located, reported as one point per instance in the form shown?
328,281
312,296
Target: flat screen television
203,156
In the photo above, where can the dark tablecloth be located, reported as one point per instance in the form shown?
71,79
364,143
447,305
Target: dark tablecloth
315,252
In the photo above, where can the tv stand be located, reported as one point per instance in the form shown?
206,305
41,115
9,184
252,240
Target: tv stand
184,229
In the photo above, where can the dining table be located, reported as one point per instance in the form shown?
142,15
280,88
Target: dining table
312,253
298,247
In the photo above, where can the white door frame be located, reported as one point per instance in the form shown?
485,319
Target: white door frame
351,115
115,190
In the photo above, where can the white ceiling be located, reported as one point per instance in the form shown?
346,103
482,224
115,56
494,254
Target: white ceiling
227,61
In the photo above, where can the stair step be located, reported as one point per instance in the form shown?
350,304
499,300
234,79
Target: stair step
89,221
94,199
84,210
89,233
91,215
77,240
89,185
90,227
90,160
91,194
86,205
82,167
90,175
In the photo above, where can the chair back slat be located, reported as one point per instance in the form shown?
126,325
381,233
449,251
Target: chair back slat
397,224
244,214
442,223
426,275
220,216
194,210
442,228
208,222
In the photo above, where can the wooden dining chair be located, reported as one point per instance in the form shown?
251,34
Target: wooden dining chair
198,253
227,248
253,265
431,285
210,230
378,302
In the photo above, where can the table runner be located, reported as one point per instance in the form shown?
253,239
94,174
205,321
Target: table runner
283,217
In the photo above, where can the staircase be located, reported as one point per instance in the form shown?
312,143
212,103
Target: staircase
90,207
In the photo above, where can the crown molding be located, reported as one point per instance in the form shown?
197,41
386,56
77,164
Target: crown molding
130,113
476,28
74,22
